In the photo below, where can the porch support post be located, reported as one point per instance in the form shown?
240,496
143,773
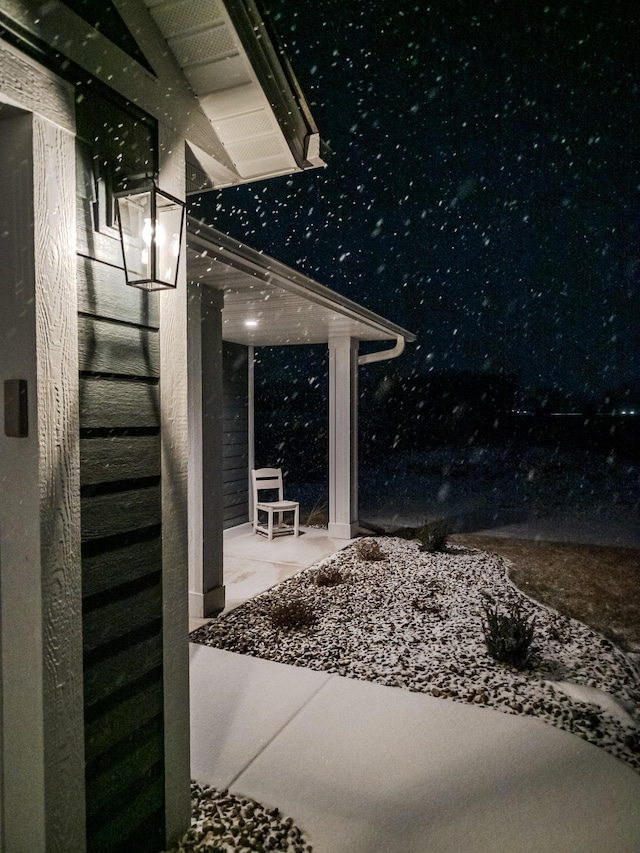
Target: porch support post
42,785
206,582
343,437
175,475
251,426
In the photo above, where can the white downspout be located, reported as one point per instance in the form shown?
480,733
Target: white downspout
383,355
251,416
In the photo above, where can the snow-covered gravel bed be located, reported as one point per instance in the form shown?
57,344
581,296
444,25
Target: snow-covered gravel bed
414,621
223,822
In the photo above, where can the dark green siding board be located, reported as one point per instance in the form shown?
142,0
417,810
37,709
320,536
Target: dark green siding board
108,347
231,514
103,292
107,460
234,457
235,486
236,412
114,835
232,518
149,836
238,473
102,571
121,669
112,404
121,722
137,762
235,452
235,444
235,499
232,437
234,466
120,470
120,512
92,244
113,620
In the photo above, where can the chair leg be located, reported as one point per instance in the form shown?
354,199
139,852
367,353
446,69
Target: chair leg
270,525
296,520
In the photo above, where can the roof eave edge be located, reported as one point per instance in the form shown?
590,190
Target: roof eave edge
208,237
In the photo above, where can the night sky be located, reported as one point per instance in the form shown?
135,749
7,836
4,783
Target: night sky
484,185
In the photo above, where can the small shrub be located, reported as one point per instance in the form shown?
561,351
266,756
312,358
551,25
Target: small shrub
426,605
509,636
433,535
328,576
368,549
559,630
318,515
294,613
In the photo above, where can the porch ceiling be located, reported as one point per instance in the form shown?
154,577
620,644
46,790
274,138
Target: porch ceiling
269,304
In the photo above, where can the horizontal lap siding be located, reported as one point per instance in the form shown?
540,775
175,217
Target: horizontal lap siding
235,442
104,460
113,404
120,466
120,512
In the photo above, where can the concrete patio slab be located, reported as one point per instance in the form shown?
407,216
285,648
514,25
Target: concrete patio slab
311,545
364,767
253,564
245,578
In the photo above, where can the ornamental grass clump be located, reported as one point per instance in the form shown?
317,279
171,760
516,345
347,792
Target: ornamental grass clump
294,613
509,636
368,549
433,535
328,576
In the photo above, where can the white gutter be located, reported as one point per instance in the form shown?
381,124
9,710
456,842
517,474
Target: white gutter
271,271
383,355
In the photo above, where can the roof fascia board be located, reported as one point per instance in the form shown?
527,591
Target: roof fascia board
166,96
278,81
270,270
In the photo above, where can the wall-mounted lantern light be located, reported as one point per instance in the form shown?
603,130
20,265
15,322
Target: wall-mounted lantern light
151,223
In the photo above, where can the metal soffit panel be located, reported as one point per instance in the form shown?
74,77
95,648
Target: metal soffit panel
260,309
207,47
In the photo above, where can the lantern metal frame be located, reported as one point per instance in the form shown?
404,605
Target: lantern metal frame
159,200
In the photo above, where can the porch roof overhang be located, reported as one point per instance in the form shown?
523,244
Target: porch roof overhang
214,74
244,85
267,303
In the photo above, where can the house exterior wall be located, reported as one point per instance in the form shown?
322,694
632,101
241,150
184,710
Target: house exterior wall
235,450
120,472
42,733
94,639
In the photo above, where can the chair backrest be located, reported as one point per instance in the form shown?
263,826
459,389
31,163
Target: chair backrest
266,478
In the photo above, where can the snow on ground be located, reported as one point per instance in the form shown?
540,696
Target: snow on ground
414,621
487,487
480,488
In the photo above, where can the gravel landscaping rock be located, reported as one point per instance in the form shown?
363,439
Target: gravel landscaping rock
414,621
223,822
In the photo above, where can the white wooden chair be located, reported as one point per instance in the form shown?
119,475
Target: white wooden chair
271,478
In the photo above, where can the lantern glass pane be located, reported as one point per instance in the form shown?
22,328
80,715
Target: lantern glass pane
169,217
136,231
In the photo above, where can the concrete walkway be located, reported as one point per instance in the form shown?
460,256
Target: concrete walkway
364,768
